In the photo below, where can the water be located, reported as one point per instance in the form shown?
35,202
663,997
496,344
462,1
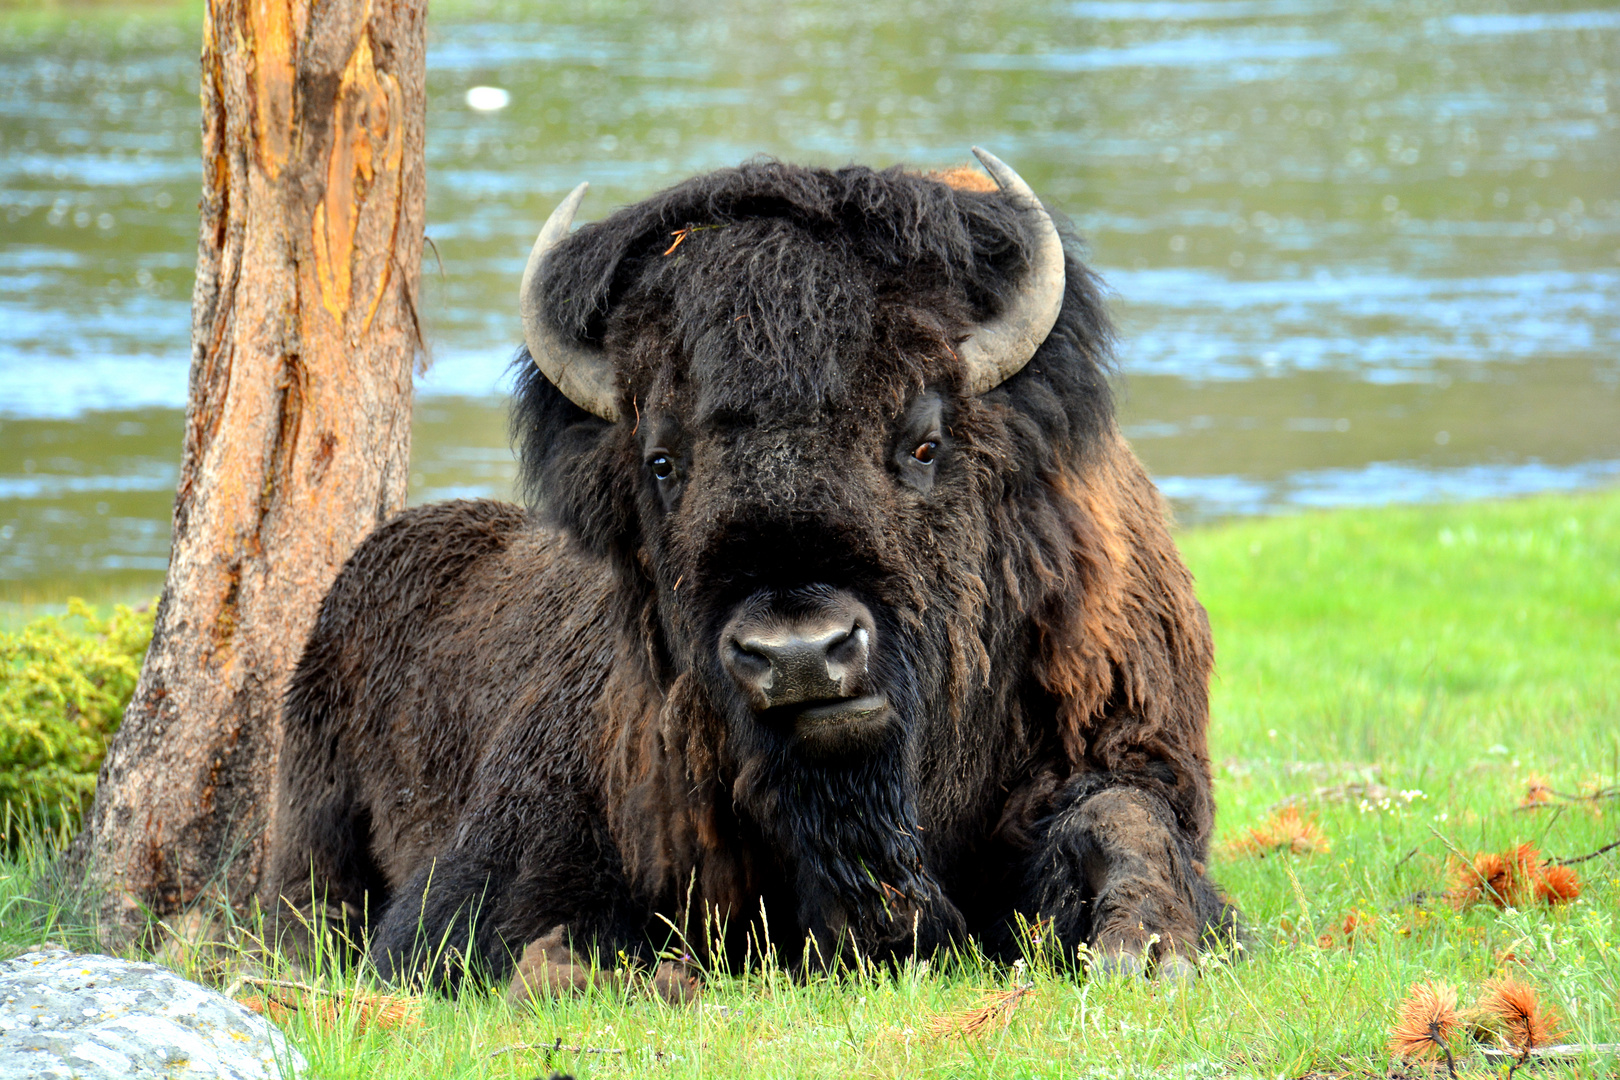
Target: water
1363,253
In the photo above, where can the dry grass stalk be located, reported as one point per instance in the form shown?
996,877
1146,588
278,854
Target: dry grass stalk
559,1047
977,1020
1548,1053
1285,830
679,235
1428,1024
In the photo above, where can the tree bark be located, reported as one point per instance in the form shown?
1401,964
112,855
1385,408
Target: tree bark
303,341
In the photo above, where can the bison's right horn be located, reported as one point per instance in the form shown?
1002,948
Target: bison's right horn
583,374
999,349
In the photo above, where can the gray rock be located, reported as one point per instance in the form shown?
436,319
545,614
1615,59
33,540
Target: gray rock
95,1017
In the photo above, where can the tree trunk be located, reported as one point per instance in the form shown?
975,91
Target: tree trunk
304,335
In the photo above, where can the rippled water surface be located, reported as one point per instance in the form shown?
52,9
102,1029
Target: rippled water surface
1363,252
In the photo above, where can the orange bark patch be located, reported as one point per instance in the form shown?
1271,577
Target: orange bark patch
368,138
271,23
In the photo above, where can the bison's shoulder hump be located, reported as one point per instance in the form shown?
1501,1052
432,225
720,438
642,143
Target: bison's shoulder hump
457,531
418,557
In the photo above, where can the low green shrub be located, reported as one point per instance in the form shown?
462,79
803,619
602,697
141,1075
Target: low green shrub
66,680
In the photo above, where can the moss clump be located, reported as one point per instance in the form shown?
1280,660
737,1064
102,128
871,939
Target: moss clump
64,682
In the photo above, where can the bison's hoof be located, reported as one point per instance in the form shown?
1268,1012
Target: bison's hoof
1174,967
1124,964
675,983
549,968
1120,965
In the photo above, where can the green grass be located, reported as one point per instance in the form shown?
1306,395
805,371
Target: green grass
1404,672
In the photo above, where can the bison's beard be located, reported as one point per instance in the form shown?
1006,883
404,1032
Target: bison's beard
846,832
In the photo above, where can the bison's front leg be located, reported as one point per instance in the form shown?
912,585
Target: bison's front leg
472,909
502,913
1111,870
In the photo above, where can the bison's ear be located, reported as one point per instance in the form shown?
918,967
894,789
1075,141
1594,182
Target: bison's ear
568,462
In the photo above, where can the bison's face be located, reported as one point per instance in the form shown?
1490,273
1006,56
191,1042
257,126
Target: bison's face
797,557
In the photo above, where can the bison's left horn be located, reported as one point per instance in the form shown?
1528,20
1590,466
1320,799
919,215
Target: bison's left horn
999,349
583,374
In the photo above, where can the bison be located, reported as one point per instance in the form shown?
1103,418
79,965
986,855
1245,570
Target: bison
840,616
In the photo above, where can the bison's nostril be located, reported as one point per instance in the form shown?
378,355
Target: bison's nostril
846,657
789,663
749,667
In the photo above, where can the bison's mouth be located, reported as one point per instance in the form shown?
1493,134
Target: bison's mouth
841,725
802,659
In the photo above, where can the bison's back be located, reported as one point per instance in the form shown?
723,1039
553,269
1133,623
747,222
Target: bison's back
456,633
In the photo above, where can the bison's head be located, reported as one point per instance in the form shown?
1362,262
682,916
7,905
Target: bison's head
814,417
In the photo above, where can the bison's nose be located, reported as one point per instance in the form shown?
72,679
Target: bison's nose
791,662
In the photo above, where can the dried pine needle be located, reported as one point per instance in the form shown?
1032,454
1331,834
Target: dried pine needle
1428,1022
997,1004
1558,885
1516,1014
1510,878
364,1009
1285,830
1536,794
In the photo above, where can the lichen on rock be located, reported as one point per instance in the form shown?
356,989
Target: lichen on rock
95,1017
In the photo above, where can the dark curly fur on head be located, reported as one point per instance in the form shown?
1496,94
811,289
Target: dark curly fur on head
783,276
785,343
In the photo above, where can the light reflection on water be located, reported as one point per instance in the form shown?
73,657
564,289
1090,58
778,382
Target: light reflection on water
1202,50
1380,482
1362,253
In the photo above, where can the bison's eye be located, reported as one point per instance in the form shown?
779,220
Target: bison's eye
665,466
920,448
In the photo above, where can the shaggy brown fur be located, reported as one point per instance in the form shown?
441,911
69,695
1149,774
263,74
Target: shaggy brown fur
517,727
